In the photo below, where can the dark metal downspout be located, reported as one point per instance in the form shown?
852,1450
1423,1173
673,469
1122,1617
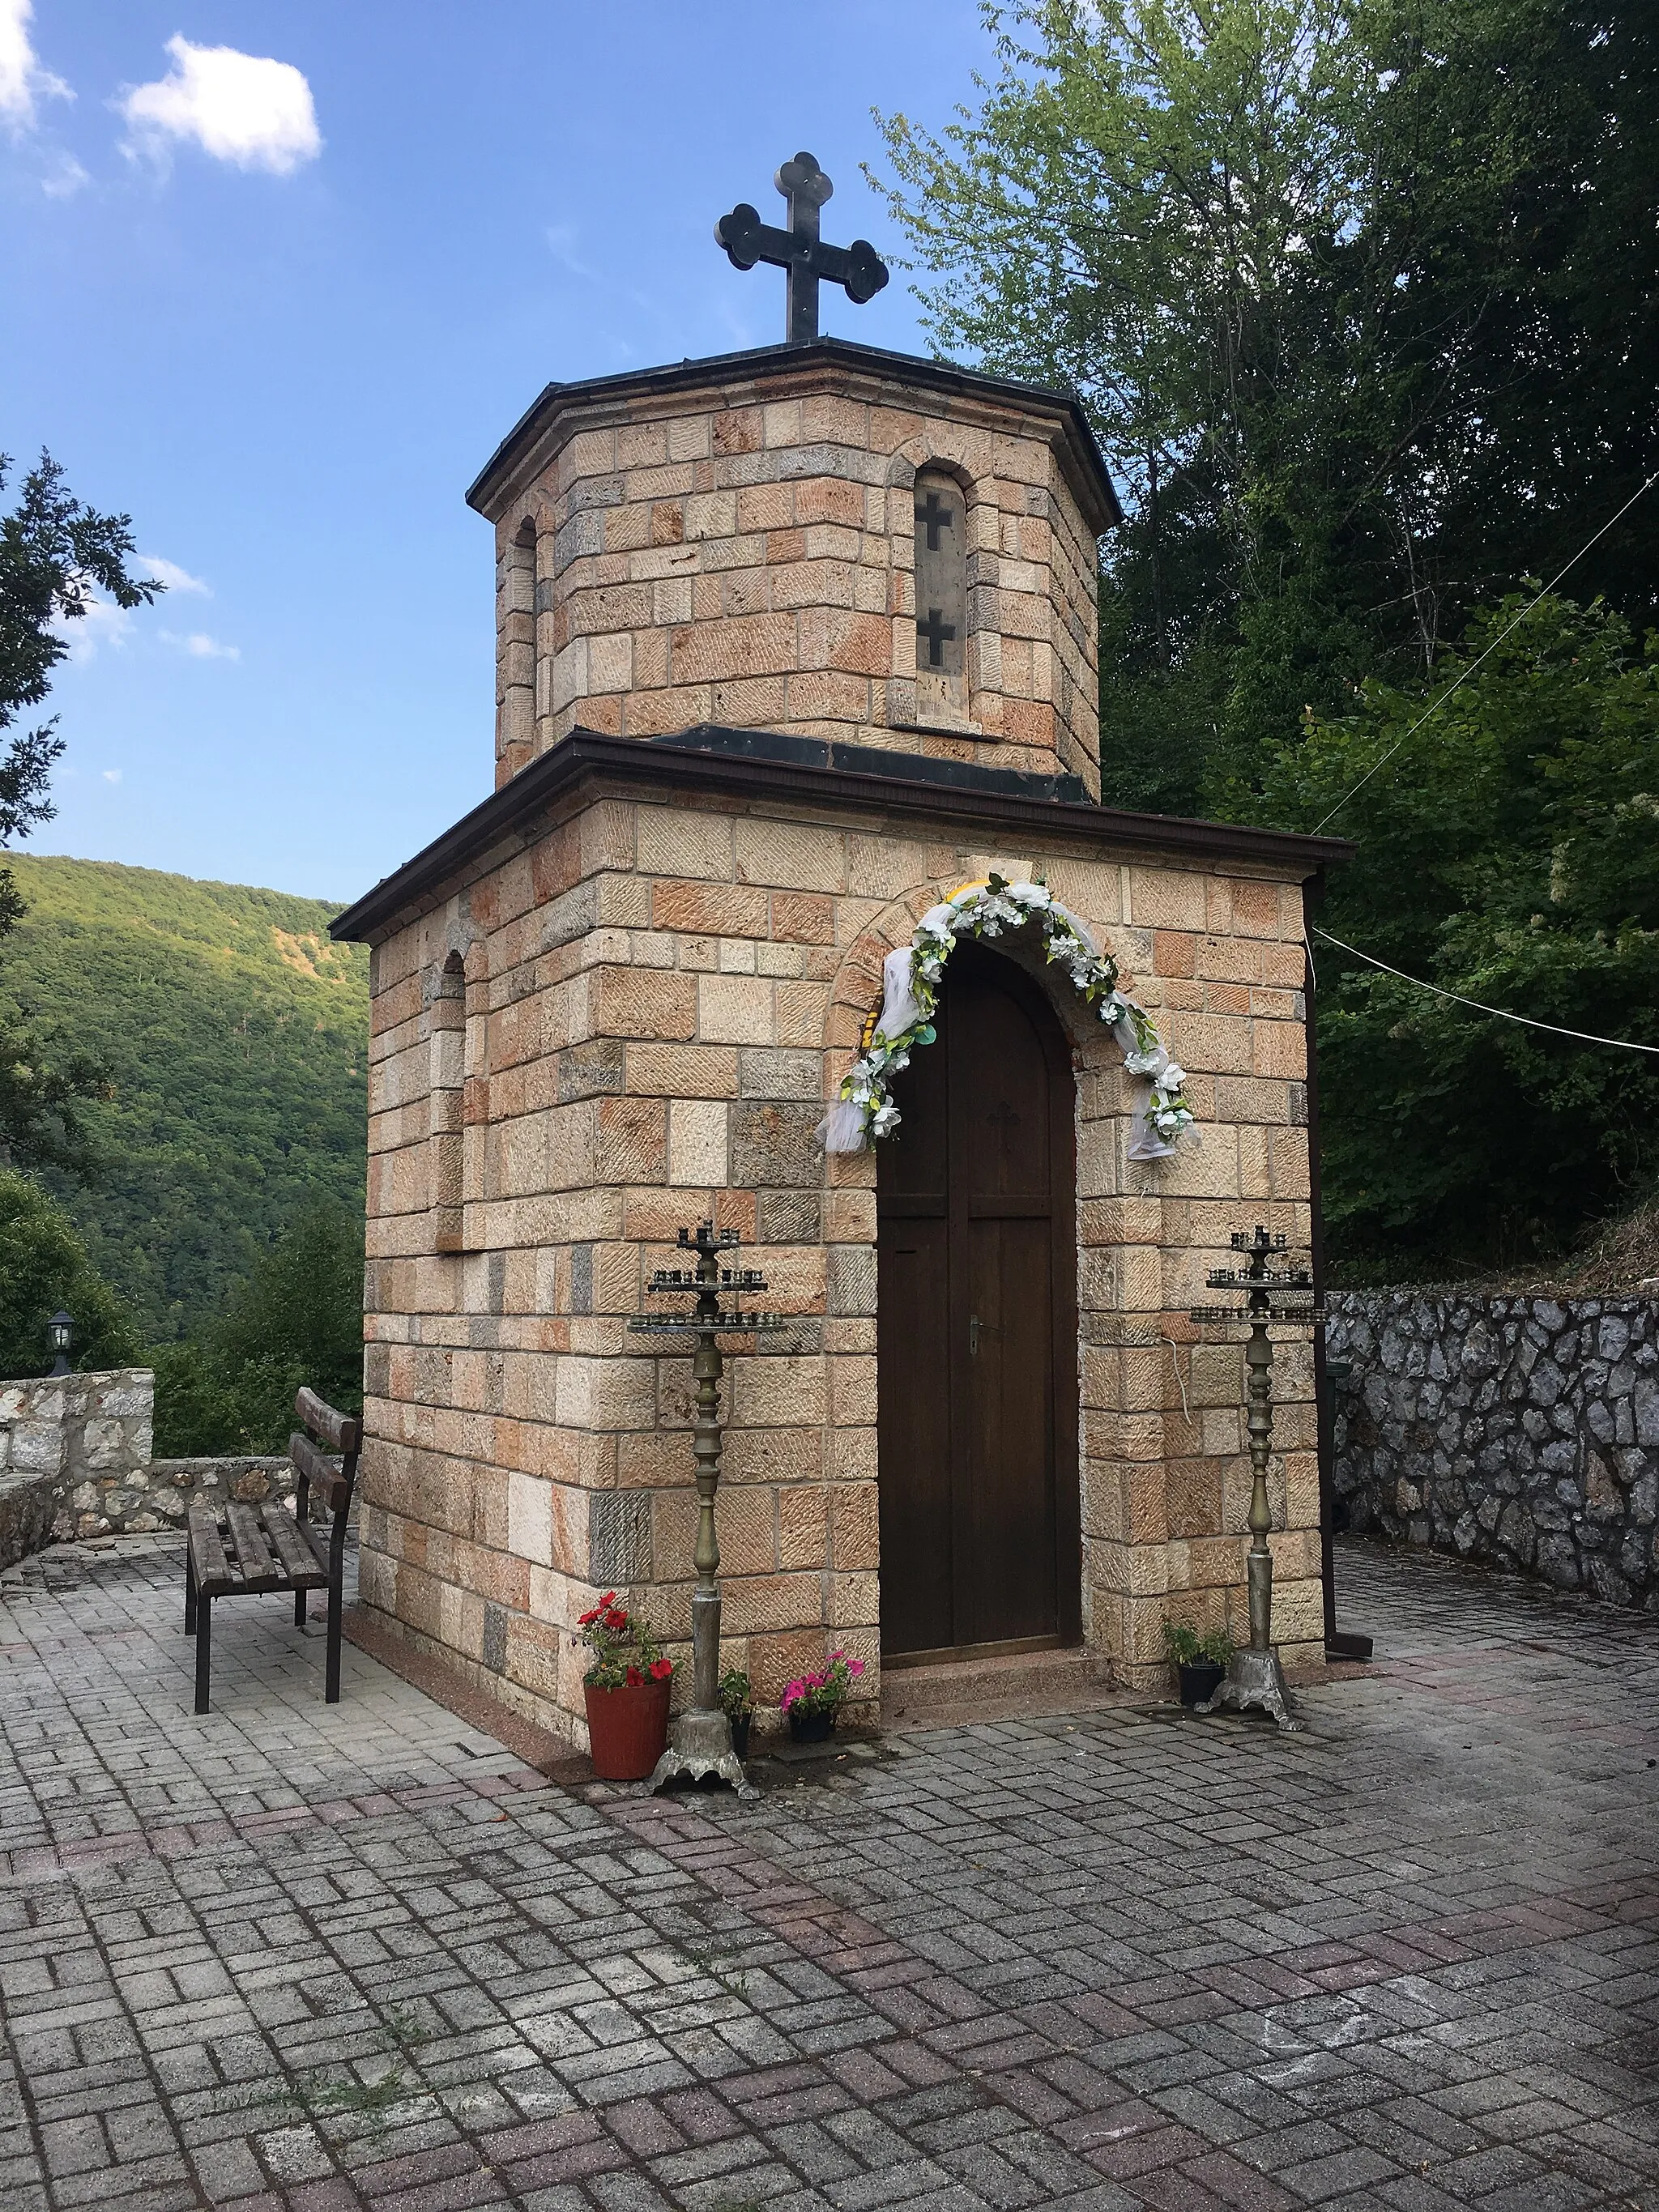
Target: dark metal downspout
1338,1645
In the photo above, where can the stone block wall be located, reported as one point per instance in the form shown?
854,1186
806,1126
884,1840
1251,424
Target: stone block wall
65,1433
1520,1430
659,995
74,1462
160,1495
744,553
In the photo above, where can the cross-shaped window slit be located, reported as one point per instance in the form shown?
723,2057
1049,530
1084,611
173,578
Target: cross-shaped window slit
935,630
941,589
933,516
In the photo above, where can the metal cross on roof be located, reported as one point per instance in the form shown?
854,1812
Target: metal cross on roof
857,268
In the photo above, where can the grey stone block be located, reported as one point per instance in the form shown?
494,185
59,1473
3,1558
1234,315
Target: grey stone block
772,1145
618,1537
771,1071
852,1279
788,1217
591,1070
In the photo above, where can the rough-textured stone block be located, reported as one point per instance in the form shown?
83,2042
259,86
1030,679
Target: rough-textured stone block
619,1551
773,1144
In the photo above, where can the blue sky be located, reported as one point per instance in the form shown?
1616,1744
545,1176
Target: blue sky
283,316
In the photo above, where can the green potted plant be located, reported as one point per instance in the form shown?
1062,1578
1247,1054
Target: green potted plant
737,1703
626,1688
811,1704
1201,1662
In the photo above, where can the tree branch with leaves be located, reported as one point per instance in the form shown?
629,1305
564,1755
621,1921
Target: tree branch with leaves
56,555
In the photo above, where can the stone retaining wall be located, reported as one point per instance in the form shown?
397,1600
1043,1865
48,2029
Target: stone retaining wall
1520,1430
161,1494
75,1425
74,1461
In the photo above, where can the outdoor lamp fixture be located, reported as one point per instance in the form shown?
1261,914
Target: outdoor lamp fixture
60,1334
1283,1294
699,1740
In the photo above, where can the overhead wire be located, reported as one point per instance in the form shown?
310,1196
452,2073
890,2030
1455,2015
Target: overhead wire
1464,675
1585,1036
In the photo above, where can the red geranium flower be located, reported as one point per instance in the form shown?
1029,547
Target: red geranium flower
587,1620
661,1669
634,1678
617,1621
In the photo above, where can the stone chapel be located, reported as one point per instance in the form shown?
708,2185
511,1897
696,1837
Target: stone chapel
793,644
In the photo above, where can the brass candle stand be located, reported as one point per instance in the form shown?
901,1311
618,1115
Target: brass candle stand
1254,1676
700,1740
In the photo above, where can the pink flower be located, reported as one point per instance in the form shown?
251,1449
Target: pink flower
855,1666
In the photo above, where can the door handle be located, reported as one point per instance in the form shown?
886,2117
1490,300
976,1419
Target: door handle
975,1325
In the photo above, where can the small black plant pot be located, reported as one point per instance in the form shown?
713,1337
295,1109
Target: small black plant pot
811,1727
1199,1681
740,1733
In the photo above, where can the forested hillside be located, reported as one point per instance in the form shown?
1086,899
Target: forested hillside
234,1037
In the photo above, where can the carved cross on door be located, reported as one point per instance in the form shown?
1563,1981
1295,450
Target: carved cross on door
857,268
1005,1121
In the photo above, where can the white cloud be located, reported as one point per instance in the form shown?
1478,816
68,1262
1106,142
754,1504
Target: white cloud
199,646
103,623
23,79
562,241
64,177
160,570
238,108
112,775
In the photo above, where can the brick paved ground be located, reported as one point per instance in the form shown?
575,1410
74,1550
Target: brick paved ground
364,1958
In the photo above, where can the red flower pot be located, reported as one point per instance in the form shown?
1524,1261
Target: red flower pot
628,1728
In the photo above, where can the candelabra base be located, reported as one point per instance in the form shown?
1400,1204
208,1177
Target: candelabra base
1256,1678
700,1743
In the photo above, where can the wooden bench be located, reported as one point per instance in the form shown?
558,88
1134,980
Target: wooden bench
238,1551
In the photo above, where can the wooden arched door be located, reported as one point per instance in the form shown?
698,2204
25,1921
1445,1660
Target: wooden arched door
976,1334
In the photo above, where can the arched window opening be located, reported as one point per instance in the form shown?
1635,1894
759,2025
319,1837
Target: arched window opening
941,514
446,1092
515,673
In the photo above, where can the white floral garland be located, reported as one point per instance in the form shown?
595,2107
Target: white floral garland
911,976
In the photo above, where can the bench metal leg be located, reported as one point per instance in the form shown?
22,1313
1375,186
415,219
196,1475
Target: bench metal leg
203,1648
332,1691
189,1592
300,1608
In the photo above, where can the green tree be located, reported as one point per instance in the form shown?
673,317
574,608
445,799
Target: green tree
298,1319
236,1038
1508,851
43,1267
56,555
1361,297
1134,213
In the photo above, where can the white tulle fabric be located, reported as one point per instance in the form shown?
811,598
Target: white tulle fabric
850,1123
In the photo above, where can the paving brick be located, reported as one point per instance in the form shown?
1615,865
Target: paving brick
1199,1966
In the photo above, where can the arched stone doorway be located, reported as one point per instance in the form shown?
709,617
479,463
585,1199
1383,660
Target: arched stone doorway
976,1338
